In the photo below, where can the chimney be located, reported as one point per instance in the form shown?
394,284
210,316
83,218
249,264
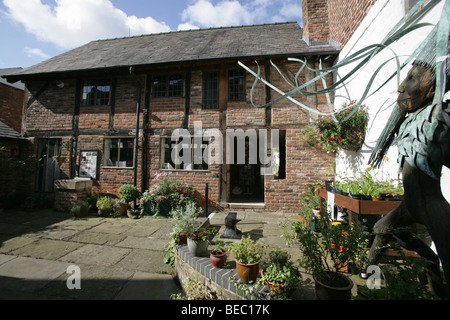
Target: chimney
316,29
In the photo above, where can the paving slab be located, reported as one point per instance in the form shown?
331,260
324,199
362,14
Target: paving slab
52,233
111,227
29,274
10,244
97,238
96,283
46,249
141,231
149,286
150,243
77,224
96,254
14,229
145,260
5,258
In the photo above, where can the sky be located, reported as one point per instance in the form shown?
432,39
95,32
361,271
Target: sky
32,31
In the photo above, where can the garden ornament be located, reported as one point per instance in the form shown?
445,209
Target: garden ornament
231,231
421,122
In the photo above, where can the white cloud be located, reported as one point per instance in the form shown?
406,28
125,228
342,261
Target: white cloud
69,23
187,26
36,53
233,12
225,13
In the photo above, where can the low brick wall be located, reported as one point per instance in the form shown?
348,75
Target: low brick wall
69,192
65,199
224,282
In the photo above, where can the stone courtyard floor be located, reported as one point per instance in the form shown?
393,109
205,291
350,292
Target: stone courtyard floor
118,257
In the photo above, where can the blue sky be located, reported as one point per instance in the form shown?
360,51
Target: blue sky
32,31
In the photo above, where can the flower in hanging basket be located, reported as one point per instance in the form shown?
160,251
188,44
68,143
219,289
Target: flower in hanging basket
345,131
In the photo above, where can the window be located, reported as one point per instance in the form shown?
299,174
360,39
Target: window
210,90
119,152
236,85
96,93
197,151
168,86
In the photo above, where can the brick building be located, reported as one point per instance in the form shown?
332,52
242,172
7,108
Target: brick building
14,150
90,101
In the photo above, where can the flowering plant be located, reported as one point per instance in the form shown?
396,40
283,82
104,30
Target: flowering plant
199,235
325,253
330,135
174,192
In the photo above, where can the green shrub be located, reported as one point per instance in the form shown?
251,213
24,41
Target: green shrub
80,209
128,193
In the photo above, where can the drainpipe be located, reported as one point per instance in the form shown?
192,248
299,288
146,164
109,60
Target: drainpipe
138,109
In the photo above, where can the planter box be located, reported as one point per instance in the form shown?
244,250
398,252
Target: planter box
360,206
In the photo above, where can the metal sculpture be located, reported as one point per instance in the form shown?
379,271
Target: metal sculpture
421,122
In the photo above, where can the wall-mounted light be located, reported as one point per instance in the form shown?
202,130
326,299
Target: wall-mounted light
60,84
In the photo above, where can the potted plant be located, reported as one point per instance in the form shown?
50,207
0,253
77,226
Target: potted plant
309,204
218,255
127,193
104,206
197,242
281,276
248,254
183,218
327,252
164,195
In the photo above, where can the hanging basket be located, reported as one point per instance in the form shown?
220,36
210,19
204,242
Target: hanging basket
354,139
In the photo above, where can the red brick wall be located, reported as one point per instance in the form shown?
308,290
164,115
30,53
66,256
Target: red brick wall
315,20
336,20
18,166
54,109
345,17
11,103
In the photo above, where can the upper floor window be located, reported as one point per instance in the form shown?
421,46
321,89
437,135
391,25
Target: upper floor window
210,90
236,85
168,86
96,93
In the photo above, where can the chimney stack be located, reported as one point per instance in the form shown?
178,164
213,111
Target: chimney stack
316,29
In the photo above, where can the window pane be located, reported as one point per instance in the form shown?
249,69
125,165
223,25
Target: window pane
236,85
126,152
88,98
111,152
159,86
96,93
210,90
103,92
176,85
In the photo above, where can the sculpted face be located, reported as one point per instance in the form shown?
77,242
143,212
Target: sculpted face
417,90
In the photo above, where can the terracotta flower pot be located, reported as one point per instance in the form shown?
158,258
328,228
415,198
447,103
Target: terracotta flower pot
124,209
247,272
182,238
218,260
279,288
